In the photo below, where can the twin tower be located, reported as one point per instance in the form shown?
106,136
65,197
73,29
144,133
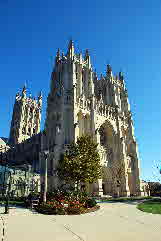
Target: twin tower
26,117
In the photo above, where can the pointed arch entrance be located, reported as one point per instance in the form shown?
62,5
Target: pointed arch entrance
108,149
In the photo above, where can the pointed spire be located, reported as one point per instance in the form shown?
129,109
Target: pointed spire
86,54
109,70
24,91
40,98
63,55
71,44
80,58
24,88
40,95
17,95
87,58
58,53
57,56
121,77
71,49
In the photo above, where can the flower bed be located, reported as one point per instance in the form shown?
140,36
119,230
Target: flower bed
71,204
45,209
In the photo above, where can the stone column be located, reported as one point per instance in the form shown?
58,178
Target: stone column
125,186
126,191
100,190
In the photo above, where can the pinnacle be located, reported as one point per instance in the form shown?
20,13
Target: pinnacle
71,44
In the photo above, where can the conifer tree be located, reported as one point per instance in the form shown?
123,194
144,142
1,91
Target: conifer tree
81,163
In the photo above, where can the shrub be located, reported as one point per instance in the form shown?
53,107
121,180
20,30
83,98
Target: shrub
46,209
52,207
90,203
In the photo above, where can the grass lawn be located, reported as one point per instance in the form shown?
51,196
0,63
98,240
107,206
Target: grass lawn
153,206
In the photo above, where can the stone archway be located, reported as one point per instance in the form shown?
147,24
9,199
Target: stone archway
107,141
109,144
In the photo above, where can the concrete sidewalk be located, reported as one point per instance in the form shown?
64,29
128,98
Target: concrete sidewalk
113,222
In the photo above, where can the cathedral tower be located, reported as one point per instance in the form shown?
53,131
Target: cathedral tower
26,117
79,103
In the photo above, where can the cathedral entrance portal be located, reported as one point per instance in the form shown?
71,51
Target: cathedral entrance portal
109,150
107,141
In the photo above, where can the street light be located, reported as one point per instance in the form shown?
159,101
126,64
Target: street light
46,154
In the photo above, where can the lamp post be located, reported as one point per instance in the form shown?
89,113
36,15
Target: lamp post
46,153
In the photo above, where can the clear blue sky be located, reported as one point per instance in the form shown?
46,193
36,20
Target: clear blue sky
126,34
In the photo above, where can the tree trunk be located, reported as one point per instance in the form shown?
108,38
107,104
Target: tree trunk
77,186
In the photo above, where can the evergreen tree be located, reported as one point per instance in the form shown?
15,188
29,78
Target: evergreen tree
81,163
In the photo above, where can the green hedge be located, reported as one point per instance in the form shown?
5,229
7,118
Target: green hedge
17,203
123,199
90,203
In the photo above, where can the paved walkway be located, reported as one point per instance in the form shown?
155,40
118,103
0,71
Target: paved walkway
113,222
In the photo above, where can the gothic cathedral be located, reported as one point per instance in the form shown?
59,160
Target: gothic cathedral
80,103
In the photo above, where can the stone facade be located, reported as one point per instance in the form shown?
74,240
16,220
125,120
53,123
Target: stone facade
3,145
80,103
26,118
18,181
145,188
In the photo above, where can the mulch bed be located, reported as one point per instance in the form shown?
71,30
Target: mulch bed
88,210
